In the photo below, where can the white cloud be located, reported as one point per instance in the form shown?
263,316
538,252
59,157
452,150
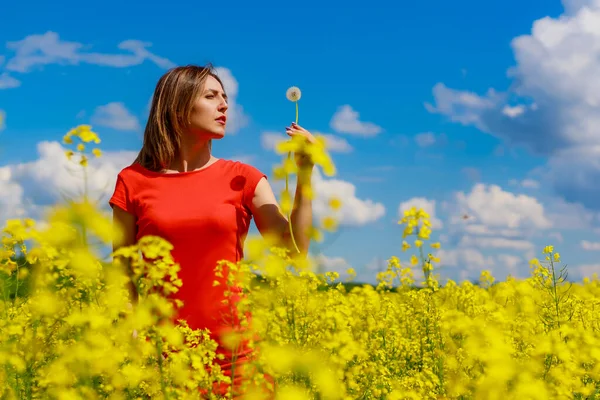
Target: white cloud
590,246
470,259
491,228
494,207
11,196
236,118
530,184
555,82
376,265
574,6
584,271
526,183
335,144
495,243
571,216
425,139
324,264
27,188
510,265
346,120
8,82
427,205
354,211
269,140
115,115
468,263
556,236
489,218
461,106
513,111
35,51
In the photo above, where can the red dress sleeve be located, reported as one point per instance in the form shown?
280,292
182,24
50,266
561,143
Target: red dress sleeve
253,175
121,196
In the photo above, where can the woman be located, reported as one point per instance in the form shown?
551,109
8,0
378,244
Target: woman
178,190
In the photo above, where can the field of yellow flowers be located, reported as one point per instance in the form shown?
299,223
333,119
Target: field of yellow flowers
68,329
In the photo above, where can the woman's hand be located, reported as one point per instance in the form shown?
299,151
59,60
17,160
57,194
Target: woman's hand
303,160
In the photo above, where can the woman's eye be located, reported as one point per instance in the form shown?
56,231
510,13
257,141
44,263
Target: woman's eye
210,96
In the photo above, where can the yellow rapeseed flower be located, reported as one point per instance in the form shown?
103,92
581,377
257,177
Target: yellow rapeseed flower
335,203
329,223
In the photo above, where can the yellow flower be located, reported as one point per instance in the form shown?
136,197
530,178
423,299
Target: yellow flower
97,153
436,245
315,234
329,223
289,166
292,145
81,147
335,203
86,135
424,232
286,202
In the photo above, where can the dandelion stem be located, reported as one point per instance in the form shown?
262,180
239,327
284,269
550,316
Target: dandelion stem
287,183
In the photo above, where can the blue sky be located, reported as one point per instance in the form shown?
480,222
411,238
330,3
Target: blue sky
469,108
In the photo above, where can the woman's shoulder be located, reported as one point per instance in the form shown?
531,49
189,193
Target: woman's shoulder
131,170
240,167
137,172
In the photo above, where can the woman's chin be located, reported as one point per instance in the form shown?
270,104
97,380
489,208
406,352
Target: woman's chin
215,135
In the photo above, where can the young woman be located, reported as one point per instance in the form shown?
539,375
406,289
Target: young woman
178,190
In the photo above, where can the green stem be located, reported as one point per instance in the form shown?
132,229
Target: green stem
287,180
16,283
85,200
554,289
163,385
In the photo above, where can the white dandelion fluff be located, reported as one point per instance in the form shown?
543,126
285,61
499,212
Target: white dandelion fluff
293,94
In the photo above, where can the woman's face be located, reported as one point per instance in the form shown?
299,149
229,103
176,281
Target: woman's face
209,111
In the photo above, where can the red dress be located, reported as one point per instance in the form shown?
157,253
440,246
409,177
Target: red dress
205,214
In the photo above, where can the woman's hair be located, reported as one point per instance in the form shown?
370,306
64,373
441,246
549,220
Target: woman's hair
170,112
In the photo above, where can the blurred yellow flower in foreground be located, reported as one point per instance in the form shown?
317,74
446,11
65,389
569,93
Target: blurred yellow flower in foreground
69,327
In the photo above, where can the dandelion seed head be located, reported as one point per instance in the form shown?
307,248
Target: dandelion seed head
293,94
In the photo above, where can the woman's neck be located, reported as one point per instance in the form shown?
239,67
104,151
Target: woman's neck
192,156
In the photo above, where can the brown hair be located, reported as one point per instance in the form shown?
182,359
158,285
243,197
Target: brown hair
170,111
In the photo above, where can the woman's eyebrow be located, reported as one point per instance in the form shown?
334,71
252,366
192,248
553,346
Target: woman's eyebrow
216,92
